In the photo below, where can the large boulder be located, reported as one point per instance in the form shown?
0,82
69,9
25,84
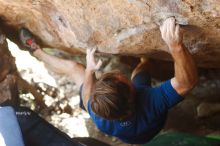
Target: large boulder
125,27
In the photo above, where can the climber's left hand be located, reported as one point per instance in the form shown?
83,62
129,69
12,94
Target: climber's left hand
91,64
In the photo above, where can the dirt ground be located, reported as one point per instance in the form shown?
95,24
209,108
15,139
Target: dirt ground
196,114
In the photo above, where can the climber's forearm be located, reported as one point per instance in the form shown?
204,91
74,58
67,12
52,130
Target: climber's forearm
185,70
91,67
87,86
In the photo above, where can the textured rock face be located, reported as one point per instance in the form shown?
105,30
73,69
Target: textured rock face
8,72
127,27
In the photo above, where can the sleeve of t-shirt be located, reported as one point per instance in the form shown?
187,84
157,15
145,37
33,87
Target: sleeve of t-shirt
160,99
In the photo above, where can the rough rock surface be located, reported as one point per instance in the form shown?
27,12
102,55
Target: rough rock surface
8,74
126,27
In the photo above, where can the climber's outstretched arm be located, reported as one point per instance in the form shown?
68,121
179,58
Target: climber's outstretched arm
91,67
185,69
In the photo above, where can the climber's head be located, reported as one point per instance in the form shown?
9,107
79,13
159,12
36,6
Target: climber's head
113,97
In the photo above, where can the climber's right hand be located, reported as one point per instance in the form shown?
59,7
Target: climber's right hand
170,32
91,64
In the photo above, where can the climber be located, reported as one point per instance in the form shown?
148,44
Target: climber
130,110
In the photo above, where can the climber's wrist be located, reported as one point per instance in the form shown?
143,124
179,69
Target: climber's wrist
90,70
176,47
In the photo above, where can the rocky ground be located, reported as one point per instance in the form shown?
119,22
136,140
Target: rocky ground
199,113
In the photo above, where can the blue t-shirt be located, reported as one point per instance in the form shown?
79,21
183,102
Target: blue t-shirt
152,107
